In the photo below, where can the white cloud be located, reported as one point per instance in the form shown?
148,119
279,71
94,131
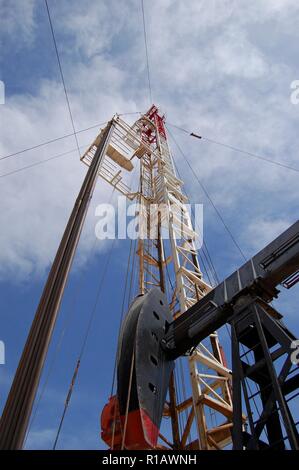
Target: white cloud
41,439
209,73
94,24
17,17
263,230
236,56
265,10
35,204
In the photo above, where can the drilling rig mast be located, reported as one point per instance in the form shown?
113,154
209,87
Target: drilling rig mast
174,310
168,259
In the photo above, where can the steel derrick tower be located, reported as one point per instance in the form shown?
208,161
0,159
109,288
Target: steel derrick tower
174,388
168,260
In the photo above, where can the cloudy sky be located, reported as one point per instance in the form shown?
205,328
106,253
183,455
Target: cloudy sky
219,68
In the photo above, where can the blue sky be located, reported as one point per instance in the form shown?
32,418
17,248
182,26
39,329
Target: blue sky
221,68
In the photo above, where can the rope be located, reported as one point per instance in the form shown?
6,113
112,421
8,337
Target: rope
146,54
122,314
214,269
91,318
41,162
205,249
60,138
259,157
61,74
207,255
236,149
67,402
209,198
131,252
114,425
132,277
42,144
59,343
128,401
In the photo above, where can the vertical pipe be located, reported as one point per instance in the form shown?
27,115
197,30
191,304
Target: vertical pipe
237,436
18,407
276,386
160,253
172,390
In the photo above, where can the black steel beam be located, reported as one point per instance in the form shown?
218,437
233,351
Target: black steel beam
271,412
259,276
